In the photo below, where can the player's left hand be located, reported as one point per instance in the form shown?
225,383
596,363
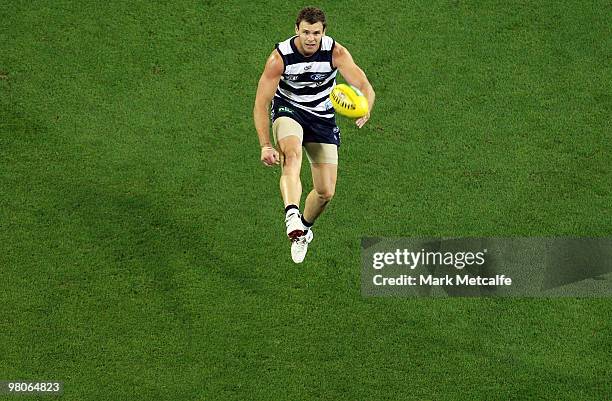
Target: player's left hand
361,121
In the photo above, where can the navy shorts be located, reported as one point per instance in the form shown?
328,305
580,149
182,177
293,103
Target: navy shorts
316,129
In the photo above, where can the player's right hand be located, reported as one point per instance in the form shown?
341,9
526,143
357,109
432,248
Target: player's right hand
269,156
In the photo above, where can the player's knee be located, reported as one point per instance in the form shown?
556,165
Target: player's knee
292,156
325,194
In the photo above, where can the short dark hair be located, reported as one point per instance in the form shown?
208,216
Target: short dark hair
312,15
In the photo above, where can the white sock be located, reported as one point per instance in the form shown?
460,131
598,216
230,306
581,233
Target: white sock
291,212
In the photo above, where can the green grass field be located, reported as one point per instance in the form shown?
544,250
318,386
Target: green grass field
143,254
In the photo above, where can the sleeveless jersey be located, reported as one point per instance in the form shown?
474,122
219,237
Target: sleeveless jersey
307,81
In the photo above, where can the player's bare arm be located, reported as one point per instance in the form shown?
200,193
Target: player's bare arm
355,76
268,82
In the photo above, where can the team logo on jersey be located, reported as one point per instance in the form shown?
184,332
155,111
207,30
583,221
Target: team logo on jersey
318,77
307,67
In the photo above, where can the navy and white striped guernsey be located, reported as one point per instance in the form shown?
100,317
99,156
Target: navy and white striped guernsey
307,81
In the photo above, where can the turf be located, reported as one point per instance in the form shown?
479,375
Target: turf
142,250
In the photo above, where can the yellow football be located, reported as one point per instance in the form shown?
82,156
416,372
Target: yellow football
349,101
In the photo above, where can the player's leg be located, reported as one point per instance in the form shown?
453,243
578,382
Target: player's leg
324,176
324,167
321,138
288,135
323,159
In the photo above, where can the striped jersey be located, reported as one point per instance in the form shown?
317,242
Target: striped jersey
307,81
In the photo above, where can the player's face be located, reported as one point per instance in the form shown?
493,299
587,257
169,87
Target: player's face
309,37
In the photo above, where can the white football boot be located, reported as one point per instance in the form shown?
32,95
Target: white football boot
299,246
295,228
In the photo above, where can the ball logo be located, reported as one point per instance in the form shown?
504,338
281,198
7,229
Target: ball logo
348,101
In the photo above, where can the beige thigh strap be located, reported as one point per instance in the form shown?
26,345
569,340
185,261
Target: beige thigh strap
321,152
284,127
